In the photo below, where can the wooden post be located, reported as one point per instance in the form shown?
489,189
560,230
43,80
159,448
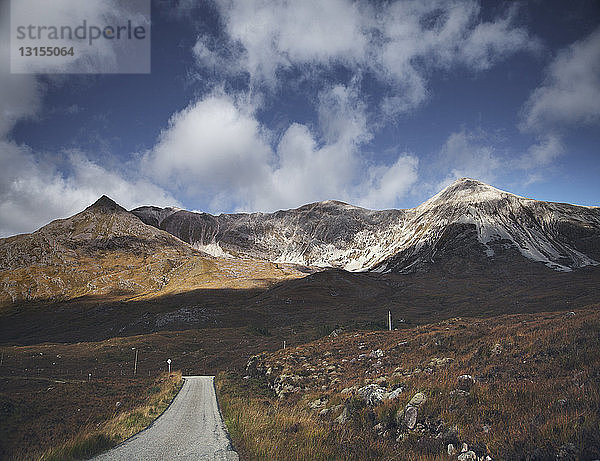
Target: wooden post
390,320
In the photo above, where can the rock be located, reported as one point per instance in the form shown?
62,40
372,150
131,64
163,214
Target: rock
451,449
410,417
467,456
335,333
395,393
319,403
567,452
372,394
464,448
417,400
497,349
324,412
466,382
376,354
459,392
251,366
343,417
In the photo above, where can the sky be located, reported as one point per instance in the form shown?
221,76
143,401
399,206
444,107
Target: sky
257,105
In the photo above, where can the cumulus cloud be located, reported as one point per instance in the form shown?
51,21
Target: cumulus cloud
465,155
570,93
212,149
37,187
33,191
216,150
399,43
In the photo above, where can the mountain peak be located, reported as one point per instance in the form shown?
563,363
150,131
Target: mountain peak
105,203
466,190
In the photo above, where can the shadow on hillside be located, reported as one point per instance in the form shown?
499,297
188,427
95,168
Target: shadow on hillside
316,303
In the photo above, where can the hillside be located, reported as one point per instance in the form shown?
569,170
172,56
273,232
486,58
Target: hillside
467,220
509,387
107,251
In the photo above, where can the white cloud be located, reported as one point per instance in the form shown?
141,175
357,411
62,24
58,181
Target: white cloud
541,154
37,187
398,42
278,34
385,185
570,93
214,149
33,191
464,155
217,151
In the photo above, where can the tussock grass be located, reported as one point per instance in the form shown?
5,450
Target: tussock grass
537,389
265,429
122,425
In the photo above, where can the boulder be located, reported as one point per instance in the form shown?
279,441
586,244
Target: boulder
451,449
467,456
417,400
343,417
410,417
372,394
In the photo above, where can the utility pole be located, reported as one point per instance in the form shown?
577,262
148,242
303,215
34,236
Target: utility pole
390,320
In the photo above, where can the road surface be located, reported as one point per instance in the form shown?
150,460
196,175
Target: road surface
190,429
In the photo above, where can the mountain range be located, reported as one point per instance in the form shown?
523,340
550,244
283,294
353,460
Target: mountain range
469,250
468,219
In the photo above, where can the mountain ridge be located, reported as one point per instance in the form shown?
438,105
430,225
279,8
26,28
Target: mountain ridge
336,234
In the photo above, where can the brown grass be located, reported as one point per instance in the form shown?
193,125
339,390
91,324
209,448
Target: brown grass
535,392
92,440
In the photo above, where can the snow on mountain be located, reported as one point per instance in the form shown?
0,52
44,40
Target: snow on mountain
467,216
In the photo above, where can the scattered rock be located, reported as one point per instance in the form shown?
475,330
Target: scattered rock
376,354
467,456
497,349
343,417
567,452
451,449
417,400
464,448
466,382
459,392
395,393
319,403
372,394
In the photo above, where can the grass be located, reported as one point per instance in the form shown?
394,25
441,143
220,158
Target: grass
122,425
264,429
536,391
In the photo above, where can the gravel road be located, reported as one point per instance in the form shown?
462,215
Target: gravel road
190,429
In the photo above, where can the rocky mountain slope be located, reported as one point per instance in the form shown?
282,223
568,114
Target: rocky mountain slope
468,219
106,250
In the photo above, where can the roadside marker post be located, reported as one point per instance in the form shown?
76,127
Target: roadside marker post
135,361
169,362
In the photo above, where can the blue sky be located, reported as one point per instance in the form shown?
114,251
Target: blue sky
263,105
